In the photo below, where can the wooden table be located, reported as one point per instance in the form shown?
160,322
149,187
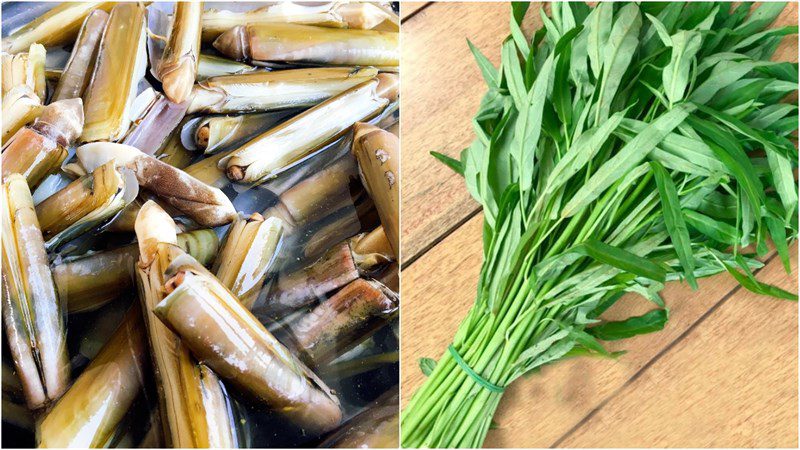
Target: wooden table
722,373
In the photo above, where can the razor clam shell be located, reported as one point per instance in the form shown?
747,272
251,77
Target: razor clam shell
303,287
87,415
39,325
177,69
306,43
264,367
247,256
106,120
205,204
268,91
79,228
268,120
78,70
344,320
152,131
285,146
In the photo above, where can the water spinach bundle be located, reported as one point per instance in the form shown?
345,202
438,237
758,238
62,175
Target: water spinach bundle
621,147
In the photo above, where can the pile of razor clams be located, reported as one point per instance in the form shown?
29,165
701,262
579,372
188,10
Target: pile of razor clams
200,224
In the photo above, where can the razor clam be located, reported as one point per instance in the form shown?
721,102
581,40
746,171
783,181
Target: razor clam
156,125
208,170
317,195
192,412
216,22
303,287
375,427
75,78
215,133
91,281
203,203
267,91
238,347
283,146
121,63
284,42
86,203
340,265
88,414
337,227
34,324
38,150
177,68
378,155
216,66
58,26
21,106
25,69
248,253
344,320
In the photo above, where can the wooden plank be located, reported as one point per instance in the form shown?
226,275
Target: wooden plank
439,289
440,91
409,8
702,392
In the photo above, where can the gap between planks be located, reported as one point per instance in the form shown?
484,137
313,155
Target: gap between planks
414,10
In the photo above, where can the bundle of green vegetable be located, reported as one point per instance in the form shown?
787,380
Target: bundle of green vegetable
623,146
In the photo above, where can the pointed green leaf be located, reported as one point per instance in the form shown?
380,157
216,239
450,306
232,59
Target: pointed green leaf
633,326
685,45
673,220
617,56
452,163
599,29
488,70
621,259
628,157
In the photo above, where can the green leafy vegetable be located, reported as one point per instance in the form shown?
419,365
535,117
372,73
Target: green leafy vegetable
612,155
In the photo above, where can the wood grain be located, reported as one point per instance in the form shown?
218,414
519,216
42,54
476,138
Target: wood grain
441,90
